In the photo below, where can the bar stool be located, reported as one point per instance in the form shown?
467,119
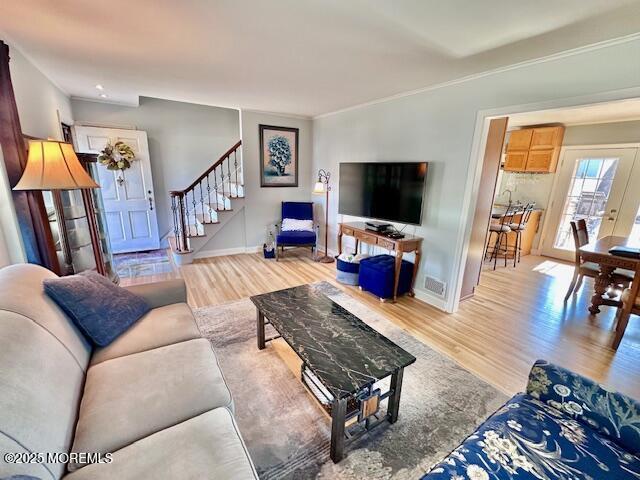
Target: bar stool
501,230
518,228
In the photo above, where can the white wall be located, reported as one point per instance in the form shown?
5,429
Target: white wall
39,101
602,133
438,126
41,108
184,140
262,204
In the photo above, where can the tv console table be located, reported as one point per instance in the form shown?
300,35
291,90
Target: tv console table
410,243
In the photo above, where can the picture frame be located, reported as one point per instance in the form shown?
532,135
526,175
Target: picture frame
278,156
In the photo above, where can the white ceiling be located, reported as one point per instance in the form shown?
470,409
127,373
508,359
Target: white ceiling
620,111
304,57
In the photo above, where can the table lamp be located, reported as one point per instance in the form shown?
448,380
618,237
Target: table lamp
322,186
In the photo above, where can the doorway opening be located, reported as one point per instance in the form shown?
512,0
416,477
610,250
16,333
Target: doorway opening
564,164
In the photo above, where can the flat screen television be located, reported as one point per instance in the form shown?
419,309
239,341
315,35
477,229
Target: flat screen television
392,191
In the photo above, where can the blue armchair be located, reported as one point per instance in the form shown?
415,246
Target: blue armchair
298,211
565,427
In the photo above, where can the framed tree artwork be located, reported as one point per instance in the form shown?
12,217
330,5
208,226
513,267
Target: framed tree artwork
278,156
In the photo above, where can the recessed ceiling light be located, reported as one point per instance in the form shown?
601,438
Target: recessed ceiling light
99,87
103,95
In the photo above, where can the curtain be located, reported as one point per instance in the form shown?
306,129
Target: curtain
30,209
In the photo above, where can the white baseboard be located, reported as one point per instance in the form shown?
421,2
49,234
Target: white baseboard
227,251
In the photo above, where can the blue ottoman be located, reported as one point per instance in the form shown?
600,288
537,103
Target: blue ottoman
377,275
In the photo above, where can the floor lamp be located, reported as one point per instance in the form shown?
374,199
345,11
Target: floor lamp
322,186
55,166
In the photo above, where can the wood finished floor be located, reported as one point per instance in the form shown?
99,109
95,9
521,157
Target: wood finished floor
516,316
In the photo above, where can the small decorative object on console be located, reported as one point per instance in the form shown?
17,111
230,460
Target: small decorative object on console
378,226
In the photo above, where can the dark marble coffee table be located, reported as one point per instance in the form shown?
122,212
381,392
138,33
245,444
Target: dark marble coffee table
342,359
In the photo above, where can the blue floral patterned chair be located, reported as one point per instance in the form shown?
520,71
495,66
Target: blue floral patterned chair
564,427
296,238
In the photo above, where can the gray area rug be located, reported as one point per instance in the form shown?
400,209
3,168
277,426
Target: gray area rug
288,434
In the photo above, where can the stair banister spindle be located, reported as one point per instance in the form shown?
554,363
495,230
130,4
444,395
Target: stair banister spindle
235,166
215,189
229,176
183,214
202,203
224,207
209,200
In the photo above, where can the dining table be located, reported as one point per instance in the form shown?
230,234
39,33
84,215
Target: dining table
597,251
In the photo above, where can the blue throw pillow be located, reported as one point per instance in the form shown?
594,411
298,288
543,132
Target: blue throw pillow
98,307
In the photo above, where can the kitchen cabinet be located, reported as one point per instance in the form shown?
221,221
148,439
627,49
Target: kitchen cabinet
516,161
534,150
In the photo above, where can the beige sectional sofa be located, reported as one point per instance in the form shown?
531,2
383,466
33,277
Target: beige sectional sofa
155,398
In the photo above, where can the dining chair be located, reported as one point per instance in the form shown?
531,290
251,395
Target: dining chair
630,306
501,230
518,228
589,269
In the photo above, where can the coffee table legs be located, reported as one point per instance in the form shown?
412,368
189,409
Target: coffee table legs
338,419
394,399
261,336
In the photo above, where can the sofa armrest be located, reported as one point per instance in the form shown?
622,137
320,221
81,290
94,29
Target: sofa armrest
160,294
610,413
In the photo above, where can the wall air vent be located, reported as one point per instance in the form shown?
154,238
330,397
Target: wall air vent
435,285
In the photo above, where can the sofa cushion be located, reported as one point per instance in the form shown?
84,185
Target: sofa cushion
296,238
158,328
40,388
208,446
100,309
21,292
128,398
610,413
527,439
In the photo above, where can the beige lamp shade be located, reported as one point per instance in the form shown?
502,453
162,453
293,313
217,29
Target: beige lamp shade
319,188
53,166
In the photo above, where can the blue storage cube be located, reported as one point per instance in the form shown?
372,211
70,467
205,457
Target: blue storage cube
377,275
347,272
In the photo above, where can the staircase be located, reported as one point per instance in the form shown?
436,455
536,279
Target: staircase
202,208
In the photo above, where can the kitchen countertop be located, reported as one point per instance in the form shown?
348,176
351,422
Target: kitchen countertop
499,210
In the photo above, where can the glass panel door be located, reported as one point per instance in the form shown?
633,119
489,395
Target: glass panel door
587,199
591,185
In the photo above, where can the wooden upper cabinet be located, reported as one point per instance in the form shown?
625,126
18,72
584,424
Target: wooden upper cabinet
546,138
542,161
534,150
520,140
516,161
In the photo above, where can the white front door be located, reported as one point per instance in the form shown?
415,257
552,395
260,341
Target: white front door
598,185
127,194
